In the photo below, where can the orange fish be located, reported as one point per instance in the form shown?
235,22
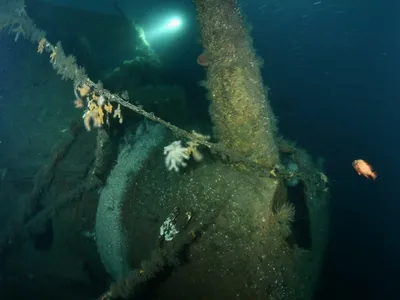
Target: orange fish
363,168
203,60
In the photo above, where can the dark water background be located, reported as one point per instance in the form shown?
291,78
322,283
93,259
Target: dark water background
333,69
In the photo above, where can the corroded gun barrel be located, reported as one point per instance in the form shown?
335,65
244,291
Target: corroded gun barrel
240,111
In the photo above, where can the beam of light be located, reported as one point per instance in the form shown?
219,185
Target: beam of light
166,27
174,23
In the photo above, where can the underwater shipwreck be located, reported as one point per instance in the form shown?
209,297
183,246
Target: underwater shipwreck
156,208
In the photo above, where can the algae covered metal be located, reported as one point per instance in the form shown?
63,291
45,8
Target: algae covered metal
242,117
